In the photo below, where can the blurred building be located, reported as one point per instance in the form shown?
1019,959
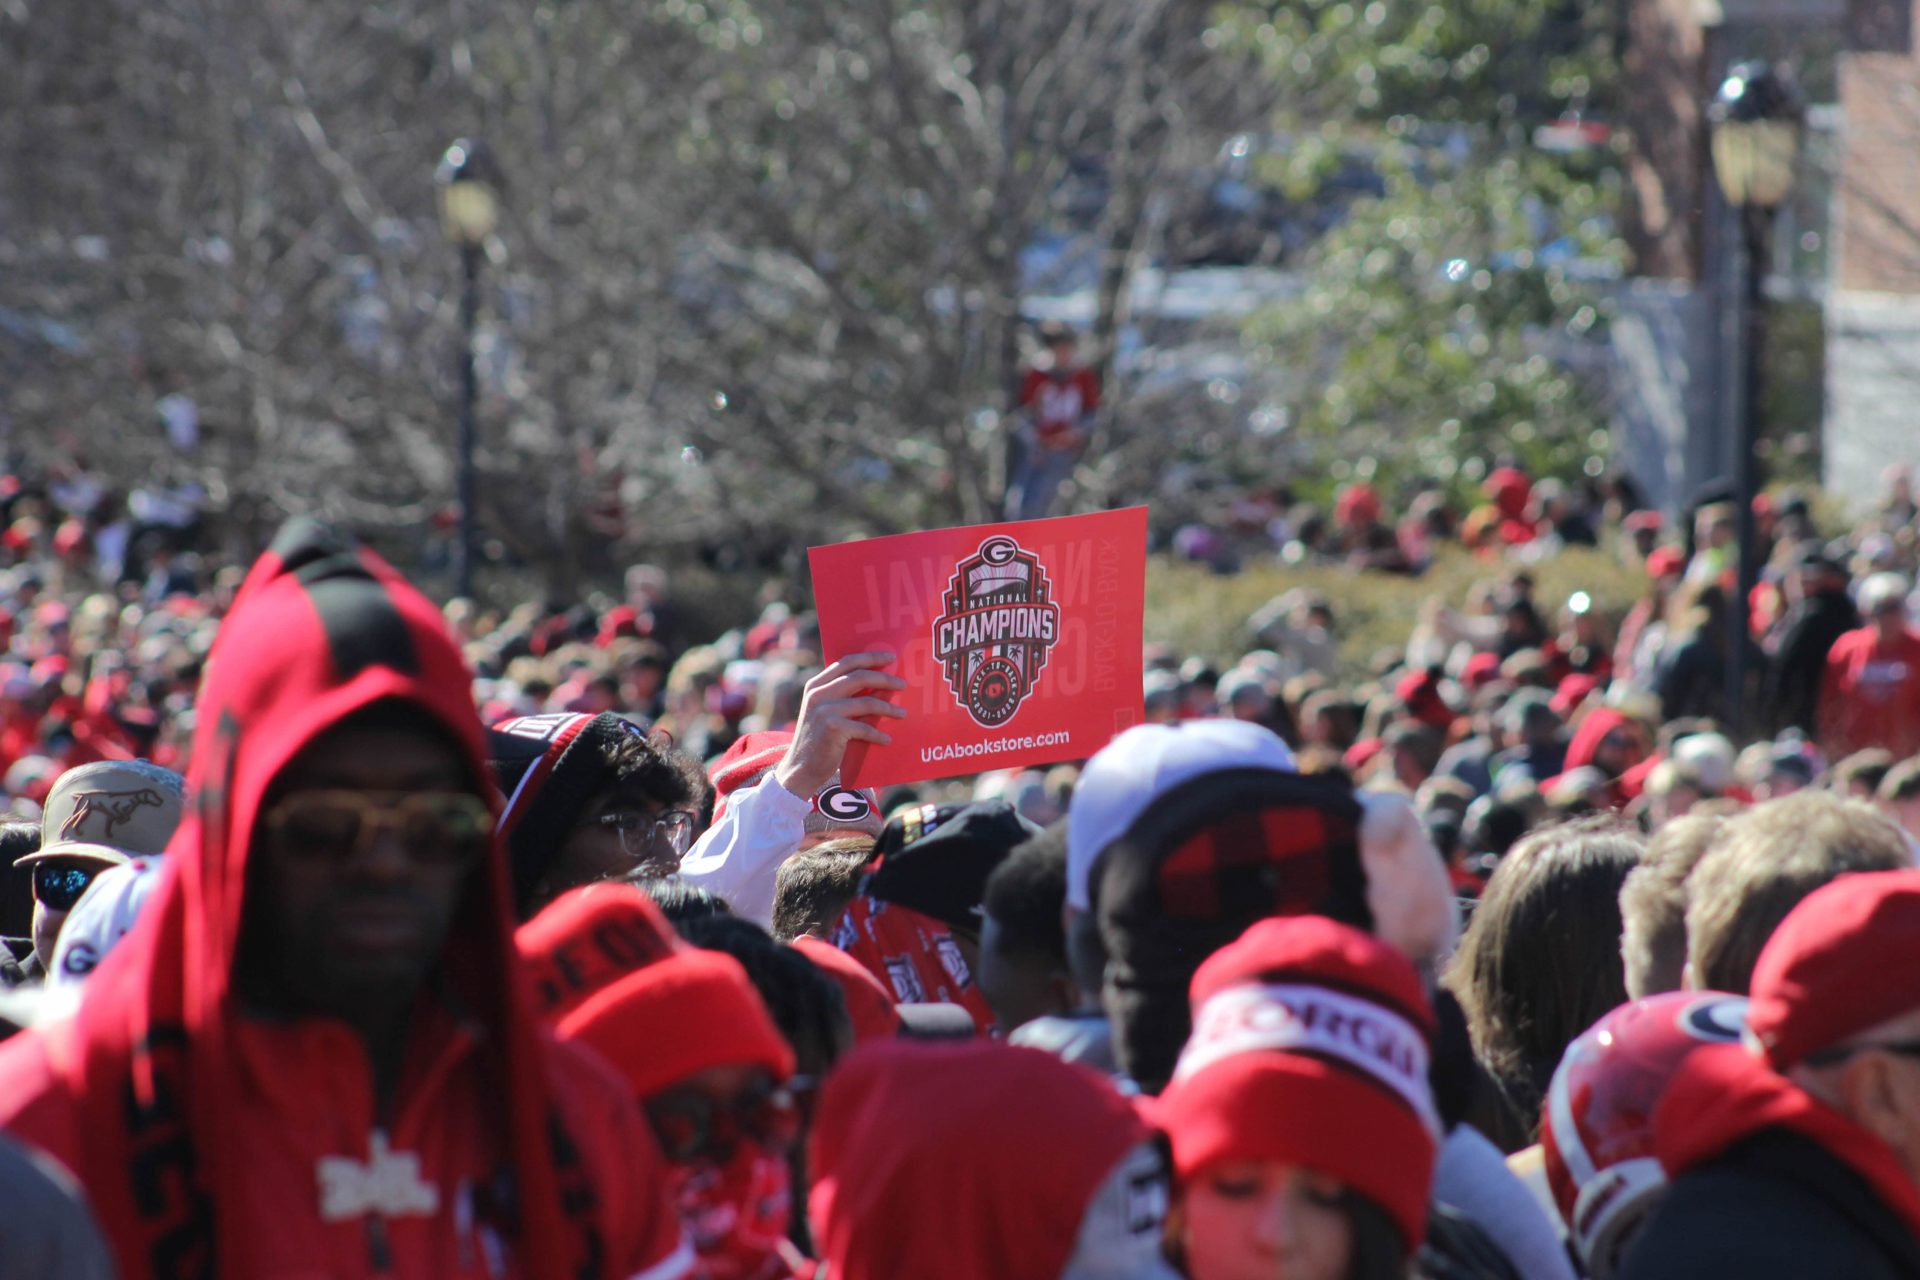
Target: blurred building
1873,306
1845,348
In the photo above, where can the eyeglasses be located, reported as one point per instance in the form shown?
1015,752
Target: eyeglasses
58,885
693,1125
443,827
643,835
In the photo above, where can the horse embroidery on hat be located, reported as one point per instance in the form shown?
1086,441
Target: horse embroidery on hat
998,625
388,1185
117,807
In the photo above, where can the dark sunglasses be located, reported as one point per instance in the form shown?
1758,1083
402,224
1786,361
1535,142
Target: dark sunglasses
331,826
58,885
694,1126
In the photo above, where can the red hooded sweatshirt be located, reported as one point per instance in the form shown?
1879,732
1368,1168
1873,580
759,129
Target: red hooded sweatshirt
1597,724
212,1143
966,1161
1723,1095
1870,694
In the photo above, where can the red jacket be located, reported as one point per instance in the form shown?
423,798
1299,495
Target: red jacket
304,1099
213,1142
1870,694
1723,1095
1059,404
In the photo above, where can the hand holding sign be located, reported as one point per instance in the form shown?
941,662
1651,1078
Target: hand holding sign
1017,644
830,719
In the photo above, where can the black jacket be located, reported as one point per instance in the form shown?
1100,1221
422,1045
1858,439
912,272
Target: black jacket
1777,1206
1792,694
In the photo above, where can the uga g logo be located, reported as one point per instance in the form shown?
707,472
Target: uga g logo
838,804
998,625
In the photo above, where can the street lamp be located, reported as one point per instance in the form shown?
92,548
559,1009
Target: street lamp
469,211
1757,119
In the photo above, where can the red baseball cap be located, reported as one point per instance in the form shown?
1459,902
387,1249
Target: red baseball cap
1665,562
1836,966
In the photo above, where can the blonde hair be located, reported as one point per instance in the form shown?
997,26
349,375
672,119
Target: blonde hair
1760,865
1653,904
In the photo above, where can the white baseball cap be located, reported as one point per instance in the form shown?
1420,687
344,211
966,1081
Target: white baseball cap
1127,774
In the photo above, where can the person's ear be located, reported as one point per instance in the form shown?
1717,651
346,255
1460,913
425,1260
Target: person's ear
1870,1093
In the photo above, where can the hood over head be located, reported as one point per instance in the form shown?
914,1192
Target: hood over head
320,630
1594,727
966,1159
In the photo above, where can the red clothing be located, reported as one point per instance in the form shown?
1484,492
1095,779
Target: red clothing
1594,727
869,1005
963,1161
303,1097
1058,400
1511,492
212,1142
1723,1095
912,954
1870,694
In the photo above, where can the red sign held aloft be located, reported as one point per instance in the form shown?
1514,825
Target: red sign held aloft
1020,643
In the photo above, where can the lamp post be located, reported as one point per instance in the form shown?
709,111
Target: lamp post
469,211
1756,118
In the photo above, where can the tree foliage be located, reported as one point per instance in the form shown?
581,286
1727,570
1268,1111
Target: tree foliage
1450,319
757,277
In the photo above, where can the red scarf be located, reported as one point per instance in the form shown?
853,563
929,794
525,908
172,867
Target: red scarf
737,1216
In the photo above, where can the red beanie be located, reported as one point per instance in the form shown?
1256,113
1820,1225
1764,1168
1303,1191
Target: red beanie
1310,1046
836,809
588,938
973,1159
1835,967
868,1005
687,1013
741,764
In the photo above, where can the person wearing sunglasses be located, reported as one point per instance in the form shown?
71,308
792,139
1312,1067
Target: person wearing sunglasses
1796,1151
698,1048
97,816
315,1054
590,798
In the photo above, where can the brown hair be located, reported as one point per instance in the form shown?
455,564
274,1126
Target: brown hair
812,888
1653,904
1763,862
1540,961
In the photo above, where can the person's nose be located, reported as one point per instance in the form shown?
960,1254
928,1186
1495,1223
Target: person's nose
1277,1226
383,852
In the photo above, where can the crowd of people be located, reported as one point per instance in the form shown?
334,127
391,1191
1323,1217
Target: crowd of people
353,934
